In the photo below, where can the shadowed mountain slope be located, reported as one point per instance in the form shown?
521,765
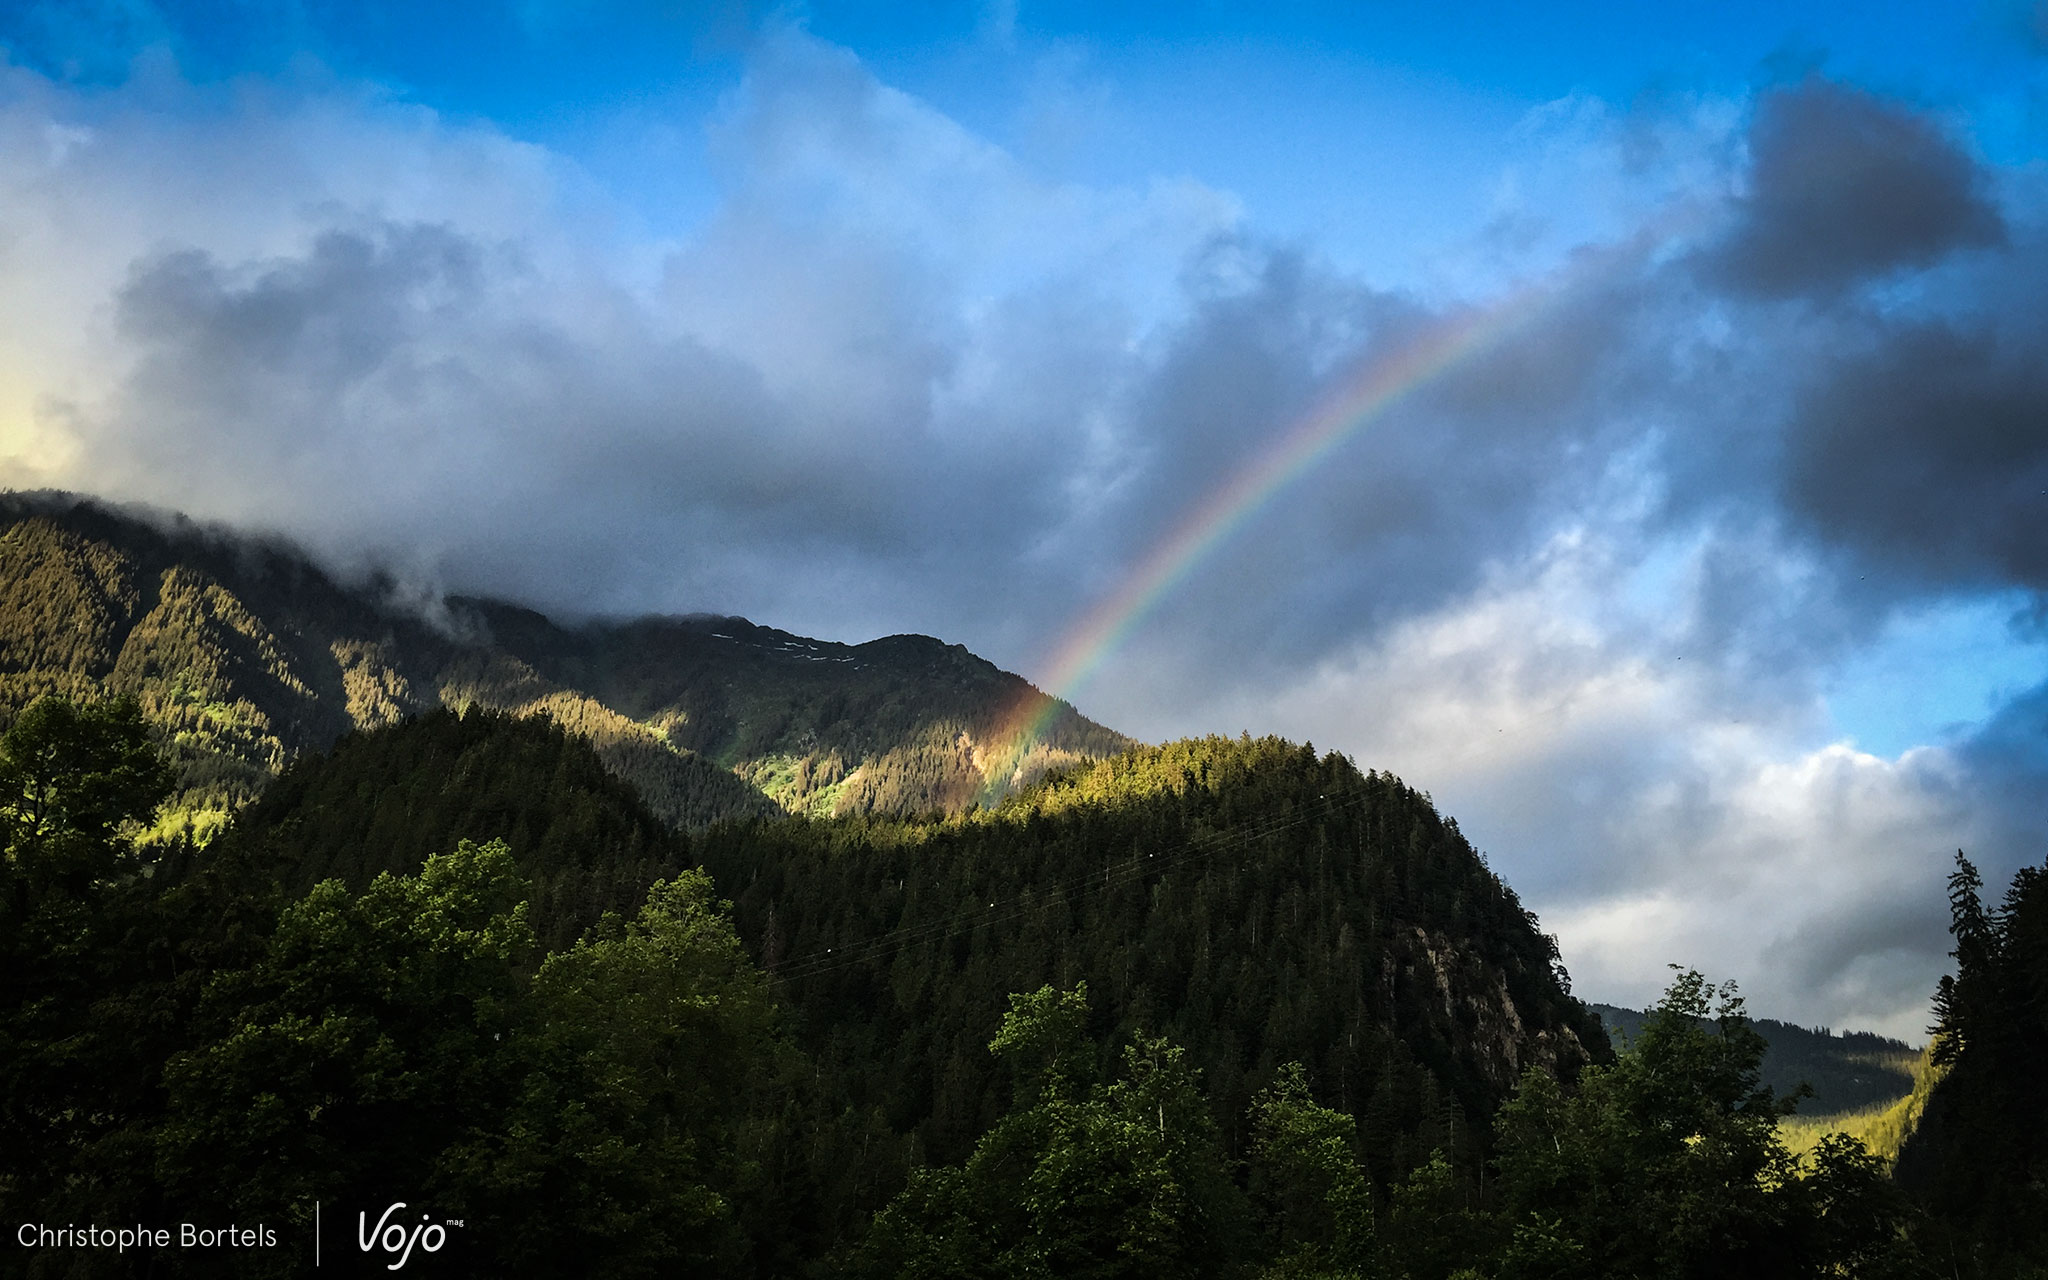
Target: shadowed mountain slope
1251,901
386,799
904,724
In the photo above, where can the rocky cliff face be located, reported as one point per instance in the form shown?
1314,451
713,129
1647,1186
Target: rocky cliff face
1473,996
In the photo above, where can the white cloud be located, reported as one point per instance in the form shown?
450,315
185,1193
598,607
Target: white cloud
886,371
1815,879
1648,807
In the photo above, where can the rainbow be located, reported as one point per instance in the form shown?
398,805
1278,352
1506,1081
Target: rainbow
1363,398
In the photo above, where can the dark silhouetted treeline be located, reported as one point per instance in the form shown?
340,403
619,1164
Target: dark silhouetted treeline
384,800
1221,1008
1980,1155
195,1036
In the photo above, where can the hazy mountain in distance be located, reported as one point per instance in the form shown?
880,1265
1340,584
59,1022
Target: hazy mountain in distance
1848,1070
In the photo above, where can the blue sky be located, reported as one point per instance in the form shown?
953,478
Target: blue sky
1708,597
1336,123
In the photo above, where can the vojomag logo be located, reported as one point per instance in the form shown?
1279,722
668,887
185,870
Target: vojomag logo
395,1235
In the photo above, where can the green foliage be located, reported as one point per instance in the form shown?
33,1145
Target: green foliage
364,1042
634,1139
1883,1129
1979,1157
75,782
1432,1225
608,1113
1856,1217
232,648
1081,1180
1844,1072
1044,1039
904,724
205,1034
1664,1162
192,1045
384,799
684,788
1668,1164
1312,1194
245,657
71,778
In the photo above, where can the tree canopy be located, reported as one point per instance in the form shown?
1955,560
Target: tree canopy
1219,1008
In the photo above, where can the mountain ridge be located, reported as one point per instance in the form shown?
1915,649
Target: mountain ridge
1251,899
246,653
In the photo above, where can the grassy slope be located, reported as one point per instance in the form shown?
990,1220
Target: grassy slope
1869,1086
904,724
1883,1127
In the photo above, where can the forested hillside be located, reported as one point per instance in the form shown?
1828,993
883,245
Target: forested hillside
1253,901
244,655
1285,1023
686,946
904,724
1249,900
386,799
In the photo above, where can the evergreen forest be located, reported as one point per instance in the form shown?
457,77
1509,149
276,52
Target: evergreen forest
244,655
1223,1007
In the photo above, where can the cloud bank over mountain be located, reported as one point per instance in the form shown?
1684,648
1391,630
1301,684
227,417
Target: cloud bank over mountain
1610,585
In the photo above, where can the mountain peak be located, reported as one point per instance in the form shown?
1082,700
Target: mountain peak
245,654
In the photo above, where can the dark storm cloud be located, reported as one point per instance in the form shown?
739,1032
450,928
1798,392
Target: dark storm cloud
1812,472
1870,930
331,318
1889,445
409,393
1845,186
883,387
2010,755
1929,455
841,393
